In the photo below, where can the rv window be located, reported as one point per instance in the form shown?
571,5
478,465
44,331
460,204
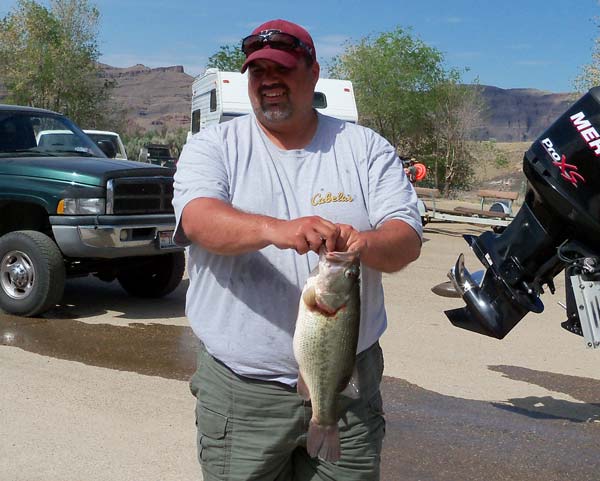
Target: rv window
213,100
195,121
319,100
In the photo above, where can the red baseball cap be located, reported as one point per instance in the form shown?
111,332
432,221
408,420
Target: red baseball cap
286,58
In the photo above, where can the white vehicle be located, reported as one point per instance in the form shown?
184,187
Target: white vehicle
219,96
98,135
65,140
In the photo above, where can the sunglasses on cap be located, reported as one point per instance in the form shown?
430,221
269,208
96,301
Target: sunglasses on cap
274,39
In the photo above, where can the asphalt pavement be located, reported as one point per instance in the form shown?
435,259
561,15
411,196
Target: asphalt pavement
97,389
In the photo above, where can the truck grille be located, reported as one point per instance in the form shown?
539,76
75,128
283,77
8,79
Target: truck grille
140,195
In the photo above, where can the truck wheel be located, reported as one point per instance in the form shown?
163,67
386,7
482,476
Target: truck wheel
32,273
157,277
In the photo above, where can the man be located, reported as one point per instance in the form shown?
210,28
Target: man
255,199
411,170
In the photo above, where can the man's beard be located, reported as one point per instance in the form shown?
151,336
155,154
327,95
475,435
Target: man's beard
277,113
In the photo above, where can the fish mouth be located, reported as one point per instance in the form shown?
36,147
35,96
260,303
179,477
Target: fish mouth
341,256
346,257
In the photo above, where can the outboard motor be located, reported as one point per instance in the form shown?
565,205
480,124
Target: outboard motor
557,228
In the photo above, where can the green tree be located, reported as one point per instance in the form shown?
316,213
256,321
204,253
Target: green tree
589,75
229,58
48,59
392,74
404,92
457,110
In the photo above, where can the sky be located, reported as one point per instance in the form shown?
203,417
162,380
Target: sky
540,44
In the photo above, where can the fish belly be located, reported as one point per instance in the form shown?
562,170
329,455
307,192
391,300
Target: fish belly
325,349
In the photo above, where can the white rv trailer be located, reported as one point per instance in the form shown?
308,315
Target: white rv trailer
219,96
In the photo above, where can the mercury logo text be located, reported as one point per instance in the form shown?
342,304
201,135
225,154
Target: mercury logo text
587,131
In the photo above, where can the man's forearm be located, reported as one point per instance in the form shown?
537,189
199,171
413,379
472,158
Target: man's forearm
222,229
391,247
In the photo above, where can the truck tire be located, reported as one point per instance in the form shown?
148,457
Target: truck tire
157,277
32,273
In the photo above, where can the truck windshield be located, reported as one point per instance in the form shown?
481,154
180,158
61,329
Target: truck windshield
32,133
159,152
96,137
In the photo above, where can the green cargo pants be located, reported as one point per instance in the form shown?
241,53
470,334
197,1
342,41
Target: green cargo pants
256,430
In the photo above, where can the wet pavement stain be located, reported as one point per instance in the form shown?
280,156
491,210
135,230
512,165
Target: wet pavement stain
581,388
152,349
429,436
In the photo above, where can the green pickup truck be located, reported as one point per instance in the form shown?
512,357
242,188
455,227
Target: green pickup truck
68,210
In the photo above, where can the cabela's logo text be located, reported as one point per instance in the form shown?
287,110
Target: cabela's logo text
328,198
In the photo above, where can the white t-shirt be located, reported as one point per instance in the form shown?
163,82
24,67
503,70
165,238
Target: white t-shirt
244,307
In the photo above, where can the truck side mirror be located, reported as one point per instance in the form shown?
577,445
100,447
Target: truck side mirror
108,148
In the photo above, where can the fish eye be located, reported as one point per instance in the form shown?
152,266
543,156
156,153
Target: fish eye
351,272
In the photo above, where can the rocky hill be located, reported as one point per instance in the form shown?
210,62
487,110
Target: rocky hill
162,96
518,115
157,98
152,98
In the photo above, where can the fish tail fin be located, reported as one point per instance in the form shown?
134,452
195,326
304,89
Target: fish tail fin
323,441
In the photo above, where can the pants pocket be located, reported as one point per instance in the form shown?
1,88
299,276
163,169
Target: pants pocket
214,449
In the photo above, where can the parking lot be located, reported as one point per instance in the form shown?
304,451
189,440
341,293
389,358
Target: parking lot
97,389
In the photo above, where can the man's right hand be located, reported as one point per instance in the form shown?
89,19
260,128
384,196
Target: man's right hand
222,229
303,234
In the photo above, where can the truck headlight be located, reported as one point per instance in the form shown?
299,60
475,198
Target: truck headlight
81,207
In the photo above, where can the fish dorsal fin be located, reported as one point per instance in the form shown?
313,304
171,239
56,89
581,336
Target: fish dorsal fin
302,388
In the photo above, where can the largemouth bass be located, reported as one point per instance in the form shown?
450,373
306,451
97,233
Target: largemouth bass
325,343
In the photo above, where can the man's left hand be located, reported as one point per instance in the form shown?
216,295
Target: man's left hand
350,240
389,248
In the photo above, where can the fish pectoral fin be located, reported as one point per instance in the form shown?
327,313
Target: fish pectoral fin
309,297
302,388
